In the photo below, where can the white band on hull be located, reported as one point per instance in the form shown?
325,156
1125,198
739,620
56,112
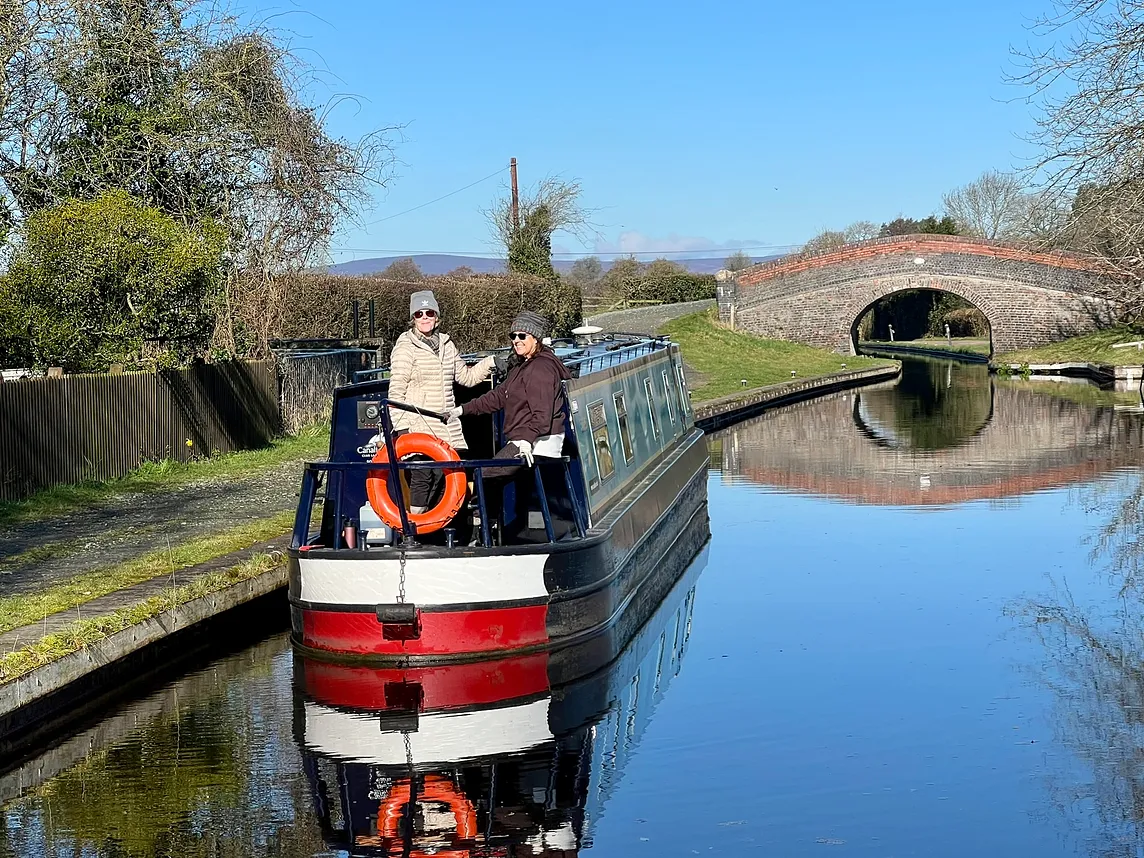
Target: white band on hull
441,737
429,581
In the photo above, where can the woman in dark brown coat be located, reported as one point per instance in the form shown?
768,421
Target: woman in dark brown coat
531,396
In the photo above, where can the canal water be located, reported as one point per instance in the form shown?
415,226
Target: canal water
918,630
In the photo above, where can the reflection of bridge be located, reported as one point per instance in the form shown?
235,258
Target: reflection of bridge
1025,441
1029,298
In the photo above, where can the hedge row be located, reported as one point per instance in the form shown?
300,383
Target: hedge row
668,288
476,311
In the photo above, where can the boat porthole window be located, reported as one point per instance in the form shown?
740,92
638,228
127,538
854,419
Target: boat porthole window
601,443
625,431
669,395
651,409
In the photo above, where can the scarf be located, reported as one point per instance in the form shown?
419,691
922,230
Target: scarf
433,340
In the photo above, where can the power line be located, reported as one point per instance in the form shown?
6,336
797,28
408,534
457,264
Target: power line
423,205
485,254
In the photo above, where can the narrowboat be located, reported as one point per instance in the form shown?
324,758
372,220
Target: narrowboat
544,560
518,755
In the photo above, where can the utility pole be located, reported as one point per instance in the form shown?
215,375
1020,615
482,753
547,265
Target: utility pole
515,198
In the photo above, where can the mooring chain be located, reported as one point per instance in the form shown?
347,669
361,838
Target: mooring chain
401,580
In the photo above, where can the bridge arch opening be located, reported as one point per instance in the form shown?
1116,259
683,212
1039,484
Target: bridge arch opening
933,318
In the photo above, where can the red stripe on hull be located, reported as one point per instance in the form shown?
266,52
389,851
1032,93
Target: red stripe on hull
444,633
446,687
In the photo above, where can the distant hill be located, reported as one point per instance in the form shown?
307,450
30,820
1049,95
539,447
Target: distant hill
443,263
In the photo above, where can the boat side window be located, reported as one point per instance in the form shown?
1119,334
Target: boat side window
625,432
598,423
669,394
651,409
686,400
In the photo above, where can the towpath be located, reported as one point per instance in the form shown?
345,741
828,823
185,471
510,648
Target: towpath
647,320
36,555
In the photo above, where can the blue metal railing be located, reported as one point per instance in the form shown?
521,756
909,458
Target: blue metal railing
338,473
616,355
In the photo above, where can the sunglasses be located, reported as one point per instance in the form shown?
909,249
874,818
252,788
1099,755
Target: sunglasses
518,336
425,314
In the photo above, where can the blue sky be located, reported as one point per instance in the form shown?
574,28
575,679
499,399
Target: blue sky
688,125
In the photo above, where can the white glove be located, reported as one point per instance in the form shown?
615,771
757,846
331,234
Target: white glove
454,412
524,450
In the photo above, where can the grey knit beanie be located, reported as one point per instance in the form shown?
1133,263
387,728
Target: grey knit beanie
423,301
528,322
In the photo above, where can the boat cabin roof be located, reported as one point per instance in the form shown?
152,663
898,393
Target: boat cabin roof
592,352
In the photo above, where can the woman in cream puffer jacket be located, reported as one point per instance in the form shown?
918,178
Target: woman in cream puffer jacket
424,365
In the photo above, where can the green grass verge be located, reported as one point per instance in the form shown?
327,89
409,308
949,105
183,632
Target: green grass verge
972,347
1090,348
168,474
1083,394
23,610
727,357
84,633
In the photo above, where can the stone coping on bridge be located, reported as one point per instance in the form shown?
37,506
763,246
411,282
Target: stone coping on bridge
717,413
920,243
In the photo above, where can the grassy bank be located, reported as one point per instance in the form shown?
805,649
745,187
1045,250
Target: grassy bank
726,357
964,346
22,610
84,633
166,475
1090,348
1083,394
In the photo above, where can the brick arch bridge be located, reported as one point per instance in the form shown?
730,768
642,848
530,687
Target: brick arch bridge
1030,298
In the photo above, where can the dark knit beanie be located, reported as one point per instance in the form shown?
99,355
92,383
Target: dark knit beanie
528,322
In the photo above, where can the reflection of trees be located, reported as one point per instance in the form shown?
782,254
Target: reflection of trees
218,776
129,795
1119,542
1096,672
935,405
1094,665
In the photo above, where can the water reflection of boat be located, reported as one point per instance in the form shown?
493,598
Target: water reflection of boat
511,757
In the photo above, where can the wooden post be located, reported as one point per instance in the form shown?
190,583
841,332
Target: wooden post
515,197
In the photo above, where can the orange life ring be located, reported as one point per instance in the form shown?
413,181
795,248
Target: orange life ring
456,484
435,788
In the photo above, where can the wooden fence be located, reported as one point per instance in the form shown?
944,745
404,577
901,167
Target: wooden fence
97,427
308,379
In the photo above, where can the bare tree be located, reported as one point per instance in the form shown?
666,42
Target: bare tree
737,261
552,205
586,273
830,239
861,230
1086,86
991,206
405,270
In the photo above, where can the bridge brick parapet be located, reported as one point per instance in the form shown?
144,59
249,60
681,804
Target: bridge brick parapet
1029,297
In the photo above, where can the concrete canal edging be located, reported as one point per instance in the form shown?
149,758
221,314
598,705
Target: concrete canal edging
1102,373
56,694
717,413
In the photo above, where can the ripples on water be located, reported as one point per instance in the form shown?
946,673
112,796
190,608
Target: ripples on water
917,631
